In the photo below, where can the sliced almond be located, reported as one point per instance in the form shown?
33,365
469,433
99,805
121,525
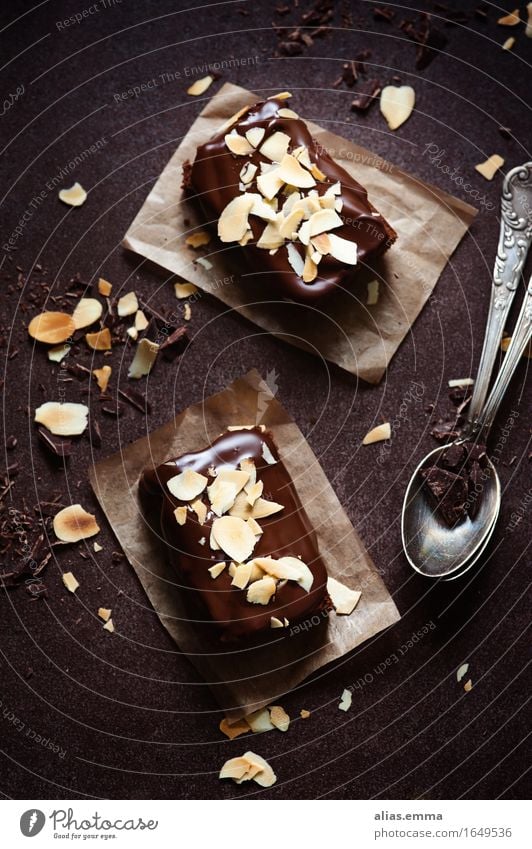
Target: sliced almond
233,222
310,270
87,312
291,223
141,322
373,293
271,237
248,465
295,259
200,86
266,777
342,249
133,333
100,340
254,492
287,569
460,381
247,173
317,173
510,20
234,537
73,524
287,113
97,547
269,183
509,43
290,171
263,508
304,714
275,146
282,95
180,514
489,168
102,376
66,419
256,529
396,104
343,598
225,488
237,144
51,327
145,356
468,686
255,135
259,721
323,221
260,592
234,729
109,626
346,700
104,613
276,623
241,575
217,569
184,290
234,768
104,287
204,262
74,196
200,509
127,305
279,718
378,434
267,454
262,208
187,485
70,582
198,239
58,353
187,312
462,671
233,119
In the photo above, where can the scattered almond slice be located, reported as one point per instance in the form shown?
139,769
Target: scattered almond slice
396,104
275,147
287,113
133,333
59,352
233,119
200,509
74,196
269,183
460,381
100,340
263,209
259,721
87,312
317,174
304,714
254,492
343,598
97,547
373,293
255,135
141,322
378,434
267,454
462,671
287,569
104,613
145,356
468,686
256,529
217,569
200,86
264,508
52,328
279,718
310,270
70,582
509,43
249,766
290,171
271,238
323,221
187,485
233,222
198,239
247,465
247,173
234,537
237,144
282,95
127,305
104,287
68,419
261,591
184,290
291,223
234,729
346,700
73,524
241,575
295,259
342,249
102,376
109,626
266,776
276,623
489,168
225,488
180,514
510,20
235,768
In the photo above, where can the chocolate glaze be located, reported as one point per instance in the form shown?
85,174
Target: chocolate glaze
288,532
212,181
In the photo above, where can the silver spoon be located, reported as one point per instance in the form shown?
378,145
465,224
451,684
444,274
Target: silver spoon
432,548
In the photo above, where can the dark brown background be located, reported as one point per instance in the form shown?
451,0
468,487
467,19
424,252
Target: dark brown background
131,714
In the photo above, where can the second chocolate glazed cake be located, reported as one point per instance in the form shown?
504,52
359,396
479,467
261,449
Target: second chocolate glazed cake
302,222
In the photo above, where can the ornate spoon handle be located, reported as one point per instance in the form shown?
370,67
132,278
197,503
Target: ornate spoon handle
514,242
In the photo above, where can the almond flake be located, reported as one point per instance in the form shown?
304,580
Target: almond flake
184,290
269,183
267,455
234,537
287,113
462,671
271,237
291,223
104,287
260,592
378,434
224,490
262,208
87,312
133,333
73,524
287,569
248,235
249,766
276,623
282,95
187,485
265,776
396,104
509,43
234,729
141,322
200,86
241,575
295,259
66,419
255,135
248,172
291,172
109,626
233,222
489,168
102,376
343,598
460,381
259,721
217,569
74,196
345,701
468,686
304,714
256,529
254,492
233,119
52,328
97,547
373,293
127,305
310,270
198,239
180,514
59,352
237,144
200,509
275,146
279,718
509,20
342,249
70,582
100,340
263,508
319,175
323,221
187,312
144,358
104,613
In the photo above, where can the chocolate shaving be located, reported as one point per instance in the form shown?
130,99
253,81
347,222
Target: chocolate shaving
174,344
136,399
368,91
56,447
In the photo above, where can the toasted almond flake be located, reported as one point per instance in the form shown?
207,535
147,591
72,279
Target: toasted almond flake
233,222
263,508
270,237
304,714
104,613
343,598
528,30
127,305
241,575
256,529
104,287
217,569
255,135
234,537
263,209
74,196
200,86
295,259
234,768
212,542
342,249
259,721
66,419
291,223
87,311
133,333
234,729
254,492
269,183
468,686
52,328
275,623
70,582
345,701
109,626
373,293
317,174
267,454
100,340
462,671
266,776
102,376
282,95
461,381
225,488
287,569
233,119
310,270
510,20
59,352
198,239
286,622
279,718
287,113
378,434
290,171
489,168
144,358
141,322
180,514
184,290
323,221
202,541
187,312
97,547
73,524
275,146
187,485
248,172
260,592
396,104
200,509
509,43
237,144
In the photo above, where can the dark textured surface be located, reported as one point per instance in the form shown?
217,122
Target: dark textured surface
129,714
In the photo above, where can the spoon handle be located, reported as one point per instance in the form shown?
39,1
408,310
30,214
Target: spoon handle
515,238
521,337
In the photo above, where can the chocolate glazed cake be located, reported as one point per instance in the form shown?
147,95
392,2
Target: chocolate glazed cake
302,222
237,535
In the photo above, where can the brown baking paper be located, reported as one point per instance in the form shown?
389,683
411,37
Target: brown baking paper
245,678
361,339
